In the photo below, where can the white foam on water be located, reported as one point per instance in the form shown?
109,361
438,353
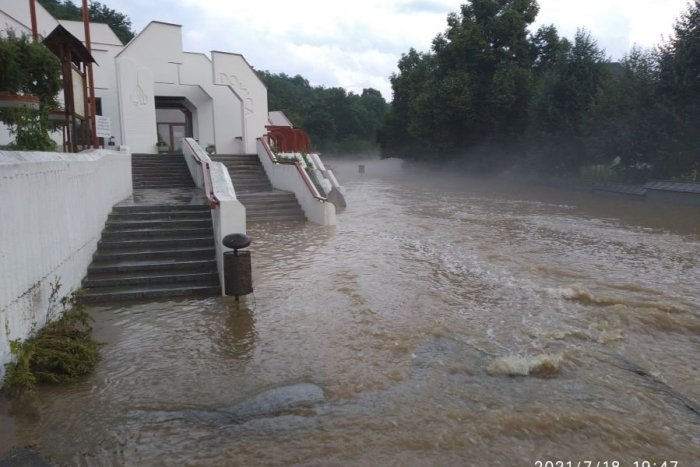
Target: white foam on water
542,366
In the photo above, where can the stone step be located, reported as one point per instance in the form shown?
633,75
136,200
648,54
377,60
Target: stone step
160,208
158,215
256,186
154,253
161,174
139,234
157,168
108,245
253,216
286,206
150,185
266,197
131,278
277,218
249,178
235,157
158,224
247,173
158,266
118,294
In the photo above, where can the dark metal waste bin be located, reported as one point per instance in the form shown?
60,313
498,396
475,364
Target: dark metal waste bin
238,278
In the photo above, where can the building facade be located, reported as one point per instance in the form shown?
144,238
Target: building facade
152,91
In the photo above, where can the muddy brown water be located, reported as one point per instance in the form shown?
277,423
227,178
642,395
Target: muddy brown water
444,321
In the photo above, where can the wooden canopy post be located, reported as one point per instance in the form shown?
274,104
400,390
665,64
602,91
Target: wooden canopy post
32,13
91,81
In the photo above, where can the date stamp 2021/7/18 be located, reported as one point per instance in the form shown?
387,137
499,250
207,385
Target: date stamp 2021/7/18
607,463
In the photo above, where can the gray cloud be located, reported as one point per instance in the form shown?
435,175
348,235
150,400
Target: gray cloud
425,6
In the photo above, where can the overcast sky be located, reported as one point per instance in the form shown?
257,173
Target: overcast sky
356,44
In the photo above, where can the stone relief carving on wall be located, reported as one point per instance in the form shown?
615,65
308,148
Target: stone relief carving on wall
139,98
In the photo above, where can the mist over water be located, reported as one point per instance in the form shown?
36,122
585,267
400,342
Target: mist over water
446,320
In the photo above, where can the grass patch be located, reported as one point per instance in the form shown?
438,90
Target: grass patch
63,351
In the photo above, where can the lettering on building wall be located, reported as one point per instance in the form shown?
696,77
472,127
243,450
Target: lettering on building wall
242,91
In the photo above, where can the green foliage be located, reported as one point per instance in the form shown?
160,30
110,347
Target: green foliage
61,352
472,88
29,68
336,120
99,13
497,96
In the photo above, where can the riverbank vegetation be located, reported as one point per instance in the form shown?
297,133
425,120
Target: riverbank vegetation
61,352
500,97
337,121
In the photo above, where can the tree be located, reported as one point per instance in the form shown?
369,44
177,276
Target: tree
99,13
474,86
337,120
680,86
29,68
120,23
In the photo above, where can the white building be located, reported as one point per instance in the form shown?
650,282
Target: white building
151,90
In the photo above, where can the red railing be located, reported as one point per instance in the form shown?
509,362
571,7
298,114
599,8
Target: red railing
212,200
288,139
302,173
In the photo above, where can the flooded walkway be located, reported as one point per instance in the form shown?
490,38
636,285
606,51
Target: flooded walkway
443,321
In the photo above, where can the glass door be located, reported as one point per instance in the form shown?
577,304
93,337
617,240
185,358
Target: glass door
177,133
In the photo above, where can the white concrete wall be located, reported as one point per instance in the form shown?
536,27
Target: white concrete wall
18,10
8,23
54,207
233,72
149,58
229,216
138,112
227,113
287,177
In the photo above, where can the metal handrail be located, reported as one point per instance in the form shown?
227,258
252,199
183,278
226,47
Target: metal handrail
212,200
300,169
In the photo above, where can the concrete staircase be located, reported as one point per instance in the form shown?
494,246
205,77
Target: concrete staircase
160,171
262,202
152,251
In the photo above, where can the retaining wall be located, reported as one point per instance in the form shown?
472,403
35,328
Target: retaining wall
53,208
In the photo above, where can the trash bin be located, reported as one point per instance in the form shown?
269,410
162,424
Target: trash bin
238,278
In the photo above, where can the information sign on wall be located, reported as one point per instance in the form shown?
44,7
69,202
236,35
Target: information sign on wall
103,126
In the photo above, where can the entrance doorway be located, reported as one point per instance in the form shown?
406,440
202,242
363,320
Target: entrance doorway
174,122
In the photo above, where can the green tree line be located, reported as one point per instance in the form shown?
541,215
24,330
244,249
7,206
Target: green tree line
99,13
490,91
336,120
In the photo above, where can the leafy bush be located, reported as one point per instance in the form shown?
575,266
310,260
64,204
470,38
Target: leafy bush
61,352
29,68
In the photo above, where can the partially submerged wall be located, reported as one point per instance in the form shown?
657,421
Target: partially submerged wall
53,208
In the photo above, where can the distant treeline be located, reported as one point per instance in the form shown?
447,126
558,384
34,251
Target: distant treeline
337,121
499,97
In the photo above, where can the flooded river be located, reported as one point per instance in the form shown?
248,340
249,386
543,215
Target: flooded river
443,321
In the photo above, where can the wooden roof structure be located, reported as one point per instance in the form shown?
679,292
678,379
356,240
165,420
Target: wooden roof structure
75,59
